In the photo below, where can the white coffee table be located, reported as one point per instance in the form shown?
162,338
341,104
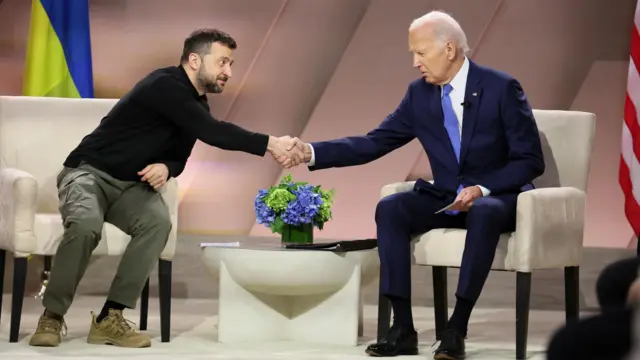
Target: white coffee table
268,293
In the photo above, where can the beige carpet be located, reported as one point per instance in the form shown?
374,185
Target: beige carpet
492,336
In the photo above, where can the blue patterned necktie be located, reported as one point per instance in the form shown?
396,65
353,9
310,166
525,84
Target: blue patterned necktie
451,125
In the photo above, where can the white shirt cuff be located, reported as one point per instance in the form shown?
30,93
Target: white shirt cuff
485,191
313,156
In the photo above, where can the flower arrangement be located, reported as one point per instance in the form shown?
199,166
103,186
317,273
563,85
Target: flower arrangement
293,209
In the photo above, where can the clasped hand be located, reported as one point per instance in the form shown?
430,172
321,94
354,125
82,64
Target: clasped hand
288,151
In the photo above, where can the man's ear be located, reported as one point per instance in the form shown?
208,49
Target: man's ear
194,61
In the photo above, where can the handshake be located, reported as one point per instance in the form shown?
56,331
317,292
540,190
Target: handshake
288,151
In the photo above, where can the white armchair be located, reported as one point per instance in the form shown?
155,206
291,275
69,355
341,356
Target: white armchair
36,135
549,225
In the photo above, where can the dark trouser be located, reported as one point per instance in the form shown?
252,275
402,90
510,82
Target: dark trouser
400,215
88,198
607,335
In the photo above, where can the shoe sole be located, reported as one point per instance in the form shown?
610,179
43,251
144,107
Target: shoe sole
107,341
43,344
447,357
401,353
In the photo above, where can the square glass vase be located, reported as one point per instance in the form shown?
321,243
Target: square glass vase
302,234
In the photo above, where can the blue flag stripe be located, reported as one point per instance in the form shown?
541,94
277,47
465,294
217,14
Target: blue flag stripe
70,21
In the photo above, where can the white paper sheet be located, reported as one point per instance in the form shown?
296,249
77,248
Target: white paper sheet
448,207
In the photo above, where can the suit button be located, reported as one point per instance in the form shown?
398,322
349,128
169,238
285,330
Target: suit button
459,177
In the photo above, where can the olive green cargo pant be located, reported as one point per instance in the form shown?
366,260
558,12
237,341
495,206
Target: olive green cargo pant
88,198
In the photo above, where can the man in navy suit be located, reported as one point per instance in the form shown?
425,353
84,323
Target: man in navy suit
484,148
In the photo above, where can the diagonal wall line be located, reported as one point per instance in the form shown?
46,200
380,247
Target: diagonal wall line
330,78
496,11
302,126
265,40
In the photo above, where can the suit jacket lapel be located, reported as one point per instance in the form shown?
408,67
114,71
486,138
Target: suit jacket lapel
472,98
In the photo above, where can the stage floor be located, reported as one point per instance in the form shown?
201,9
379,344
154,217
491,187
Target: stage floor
492,336
491,332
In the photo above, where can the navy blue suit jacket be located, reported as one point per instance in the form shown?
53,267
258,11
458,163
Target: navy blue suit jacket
500,143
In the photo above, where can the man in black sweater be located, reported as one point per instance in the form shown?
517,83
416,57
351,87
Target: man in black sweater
114,174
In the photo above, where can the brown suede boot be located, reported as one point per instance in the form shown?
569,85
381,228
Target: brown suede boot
49,332
116,330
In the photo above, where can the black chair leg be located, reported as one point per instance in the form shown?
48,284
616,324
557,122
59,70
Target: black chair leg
384,313
164,280
46,273
523,297
440,299
19,283
572,293
48,259
144,306
3,256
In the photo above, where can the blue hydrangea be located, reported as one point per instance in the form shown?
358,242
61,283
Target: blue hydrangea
304,209
264,214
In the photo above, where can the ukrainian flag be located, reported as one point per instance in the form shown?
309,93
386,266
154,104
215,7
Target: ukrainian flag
59,51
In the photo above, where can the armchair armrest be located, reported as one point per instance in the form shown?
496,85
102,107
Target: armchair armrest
396,187
169,193
549,228
18,202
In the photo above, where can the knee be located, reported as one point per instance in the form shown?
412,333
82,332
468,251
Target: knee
388,209
84,228
489,209
157,222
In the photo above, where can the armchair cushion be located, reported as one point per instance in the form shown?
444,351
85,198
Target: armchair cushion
24,231
444,247
549,225
49,230
396,187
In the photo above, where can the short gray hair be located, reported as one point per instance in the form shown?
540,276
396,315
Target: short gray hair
445,28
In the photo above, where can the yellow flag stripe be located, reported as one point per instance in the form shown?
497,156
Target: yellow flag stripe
46,72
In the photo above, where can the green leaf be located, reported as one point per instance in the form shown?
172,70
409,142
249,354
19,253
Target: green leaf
278,225
287,179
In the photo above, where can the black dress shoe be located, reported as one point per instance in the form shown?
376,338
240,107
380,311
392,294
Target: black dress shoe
451,347
399,341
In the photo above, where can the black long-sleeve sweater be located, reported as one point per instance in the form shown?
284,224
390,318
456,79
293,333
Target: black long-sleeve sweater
158,121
